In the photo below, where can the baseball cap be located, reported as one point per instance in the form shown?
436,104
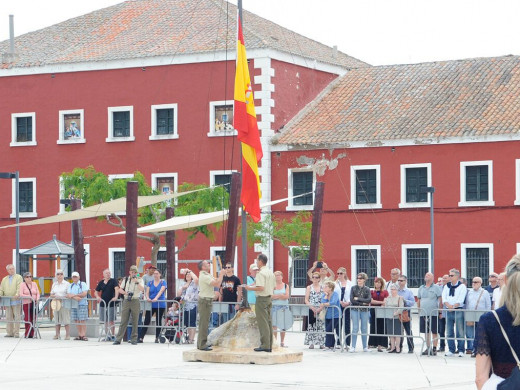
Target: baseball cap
134,268
151,266
75,274
253,267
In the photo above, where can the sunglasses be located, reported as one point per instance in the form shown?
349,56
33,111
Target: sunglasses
340,273
475,282
28,277
228,267
59,273
360,278
400,280
315,277
451,276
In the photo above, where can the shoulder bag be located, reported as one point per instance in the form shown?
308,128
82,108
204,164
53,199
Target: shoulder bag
472,323
513,382
404,316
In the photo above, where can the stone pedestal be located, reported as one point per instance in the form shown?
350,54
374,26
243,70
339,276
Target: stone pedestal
243,356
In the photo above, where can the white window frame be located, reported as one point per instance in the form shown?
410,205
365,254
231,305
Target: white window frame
61,140
404,203
353,263
463,202
294,291
290,202
212,132
518,247
34,213
153,135
212,175
353,205
174,175
110,137
111,258
214,249
517,182
13,129
118,176
404,259
463,261
20,251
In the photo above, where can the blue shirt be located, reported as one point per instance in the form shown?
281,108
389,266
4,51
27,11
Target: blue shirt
407,295
154,290
78,288
251,296
334,309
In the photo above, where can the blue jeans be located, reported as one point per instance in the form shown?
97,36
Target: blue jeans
470,335
229,315
455,319
331,325
355,316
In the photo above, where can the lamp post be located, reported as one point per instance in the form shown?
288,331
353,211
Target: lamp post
16,177
431,191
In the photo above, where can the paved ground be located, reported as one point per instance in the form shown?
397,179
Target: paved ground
46,363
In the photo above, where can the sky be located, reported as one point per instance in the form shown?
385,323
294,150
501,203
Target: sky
380,32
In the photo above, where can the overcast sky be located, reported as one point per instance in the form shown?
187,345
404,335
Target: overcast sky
375,31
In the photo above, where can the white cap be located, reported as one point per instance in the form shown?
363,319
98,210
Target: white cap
75,274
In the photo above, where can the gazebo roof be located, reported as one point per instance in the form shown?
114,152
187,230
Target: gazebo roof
52,247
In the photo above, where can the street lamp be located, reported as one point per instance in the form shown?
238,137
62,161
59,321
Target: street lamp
431,190
16,177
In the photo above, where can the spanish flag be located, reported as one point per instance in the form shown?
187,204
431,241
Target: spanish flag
244,121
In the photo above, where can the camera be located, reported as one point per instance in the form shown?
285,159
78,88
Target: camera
130,295
319,264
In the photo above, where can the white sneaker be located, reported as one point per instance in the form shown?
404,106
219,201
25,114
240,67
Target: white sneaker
352,350
448,354
366,350
461,354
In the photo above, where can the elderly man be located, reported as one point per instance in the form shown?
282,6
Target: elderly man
251,297
394,277
429,299
477,298
453,297
264,287
207,283
106,294
442,317
10,287
497,293
78,291
59,291
131,288
409,301
492,286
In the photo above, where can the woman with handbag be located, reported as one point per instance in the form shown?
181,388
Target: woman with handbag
30,291
498,337
316,325
393,318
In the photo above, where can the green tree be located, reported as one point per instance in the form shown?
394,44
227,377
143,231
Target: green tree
94,187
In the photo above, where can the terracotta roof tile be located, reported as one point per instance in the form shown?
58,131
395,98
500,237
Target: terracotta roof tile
148,28
474,97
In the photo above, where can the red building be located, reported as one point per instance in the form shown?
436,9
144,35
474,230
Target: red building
147,86
378,137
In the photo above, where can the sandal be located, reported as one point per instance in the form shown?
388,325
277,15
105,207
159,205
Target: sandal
83,338
77,338
311,346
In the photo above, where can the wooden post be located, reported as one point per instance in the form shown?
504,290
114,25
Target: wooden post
316,223
131,224
234,204
170,257
77,239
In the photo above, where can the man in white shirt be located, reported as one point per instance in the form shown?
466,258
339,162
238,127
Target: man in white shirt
453,297
497,293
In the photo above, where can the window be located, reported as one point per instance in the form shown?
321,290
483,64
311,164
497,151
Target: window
366,259
416,263
414,180
164,122
221,178
166,183
71,129
117,262
221,251
476,183
477,260
300,182
162,263
120,124
365,187
24,264
27,198
221,119
298,260
23,129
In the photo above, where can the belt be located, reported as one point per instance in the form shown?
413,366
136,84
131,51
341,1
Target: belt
206,299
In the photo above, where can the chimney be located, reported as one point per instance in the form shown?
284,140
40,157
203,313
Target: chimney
334,51
10,56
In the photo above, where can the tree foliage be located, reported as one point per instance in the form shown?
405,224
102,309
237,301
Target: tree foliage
94,187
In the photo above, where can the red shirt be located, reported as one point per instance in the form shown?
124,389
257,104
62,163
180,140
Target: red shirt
379,297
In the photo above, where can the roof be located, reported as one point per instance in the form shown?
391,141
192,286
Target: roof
148,28
52,247
465,98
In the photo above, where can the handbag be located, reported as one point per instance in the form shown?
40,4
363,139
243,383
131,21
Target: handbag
513,382
472,323
322,314
404,316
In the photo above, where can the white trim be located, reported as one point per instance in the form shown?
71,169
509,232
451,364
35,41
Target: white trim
517,182
278,147
295,291
153,135
61,192
173,175
463,202
13,129
61,128
14,258
212,251
110,137
290,204
404,203
353,258
163,249
463,264
353,205
86,247
518,247
404,260
32,214
214,173
221,133
213,56
117,176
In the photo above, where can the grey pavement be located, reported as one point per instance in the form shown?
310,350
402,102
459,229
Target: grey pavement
46,363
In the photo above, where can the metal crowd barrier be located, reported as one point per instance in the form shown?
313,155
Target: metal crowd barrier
25,325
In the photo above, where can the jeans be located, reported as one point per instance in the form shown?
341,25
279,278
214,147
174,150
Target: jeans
229,315
455,319
331,324
442,332
346,327
470,335
357,315
407,326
